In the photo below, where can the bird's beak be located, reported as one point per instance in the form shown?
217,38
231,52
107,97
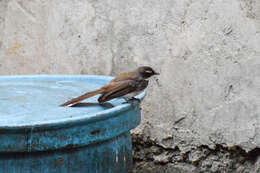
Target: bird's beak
155,73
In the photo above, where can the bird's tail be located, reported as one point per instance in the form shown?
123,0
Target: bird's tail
82,97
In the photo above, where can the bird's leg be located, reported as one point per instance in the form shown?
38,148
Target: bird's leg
106,104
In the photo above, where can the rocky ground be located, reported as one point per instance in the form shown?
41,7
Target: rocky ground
151,157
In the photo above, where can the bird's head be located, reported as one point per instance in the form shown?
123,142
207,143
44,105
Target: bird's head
146,71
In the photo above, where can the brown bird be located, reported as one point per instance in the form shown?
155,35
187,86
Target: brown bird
125,85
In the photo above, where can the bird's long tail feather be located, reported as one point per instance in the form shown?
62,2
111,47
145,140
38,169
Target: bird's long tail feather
82,97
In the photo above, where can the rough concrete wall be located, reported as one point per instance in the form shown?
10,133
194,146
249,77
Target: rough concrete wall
203,116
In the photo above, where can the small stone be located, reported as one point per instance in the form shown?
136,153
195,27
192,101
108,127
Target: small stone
156,150
162,158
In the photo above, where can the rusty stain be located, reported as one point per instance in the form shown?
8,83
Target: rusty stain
70,146
94,132
12,50
59,161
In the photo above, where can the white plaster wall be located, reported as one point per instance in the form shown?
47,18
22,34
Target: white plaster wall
207,51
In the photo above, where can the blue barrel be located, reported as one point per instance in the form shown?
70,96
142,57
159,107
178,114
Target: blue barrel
38,136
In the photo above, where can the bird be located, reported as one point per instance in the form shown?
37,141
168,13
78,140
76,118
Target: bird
126,85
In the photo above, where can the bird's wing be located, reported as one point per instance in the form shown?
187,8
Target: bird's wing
125,76
118,89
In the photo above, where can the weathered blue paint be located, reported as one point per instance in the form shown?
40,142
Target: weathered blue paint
37,134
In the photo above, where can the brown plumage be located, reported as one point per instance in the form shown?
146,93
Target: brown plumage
125,84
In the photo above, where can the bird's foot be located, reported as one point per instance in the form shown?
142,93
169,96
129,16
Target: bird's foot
132,101
135,99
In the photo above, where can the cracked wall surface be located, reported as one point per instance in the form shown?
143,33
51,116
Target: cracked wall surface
207,52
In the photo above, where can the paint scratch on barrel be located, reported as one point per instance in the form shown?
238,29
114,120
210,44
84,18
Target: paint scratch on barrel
116,156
